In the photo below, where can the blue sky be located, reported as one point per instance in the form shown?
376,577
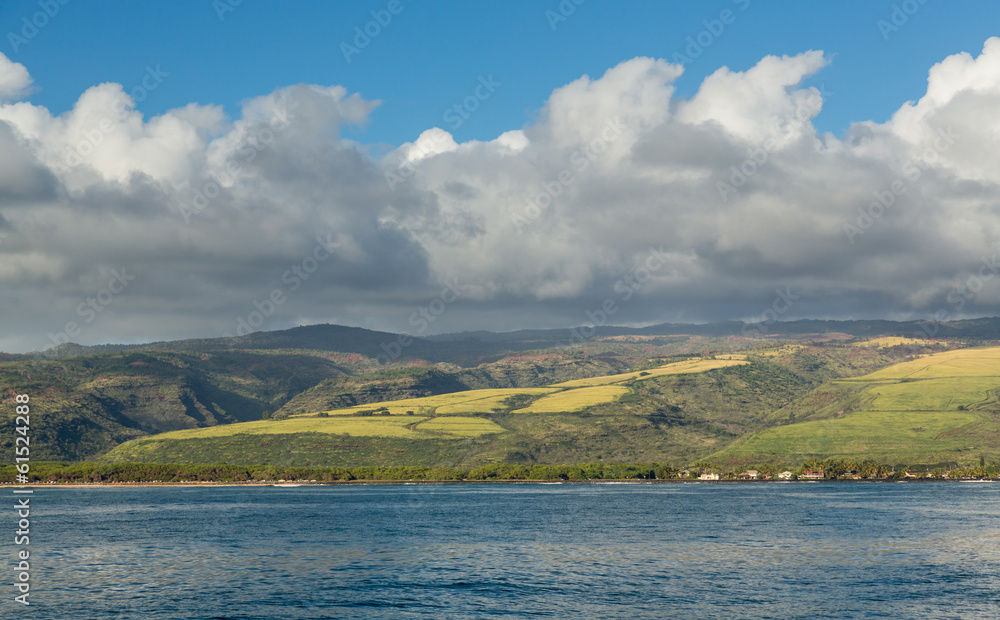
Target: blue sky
431,54
626,162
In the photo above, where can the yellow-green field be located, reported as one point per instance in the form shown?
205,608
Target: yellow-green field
461,426
787,349
360,427
926,410
413,427
958,363
450,415
489,403
563,397
933,394
677,368
891,436
575,400
890,341
442,403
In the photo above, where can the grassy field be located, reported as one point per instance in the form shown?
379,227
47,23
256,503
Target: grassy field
443,403
787,349
551,438
677,413
295,449
460,425
936,408
412,427
891,341
575,400
886,436
428,430
958,363
934,394
356,427
489,403
677,368
568,396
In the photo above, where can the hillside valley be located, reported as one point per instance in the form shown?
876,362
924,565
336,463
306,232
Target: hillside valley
623,397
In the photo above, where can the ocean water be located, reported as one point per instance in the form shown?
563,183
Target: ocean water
630,551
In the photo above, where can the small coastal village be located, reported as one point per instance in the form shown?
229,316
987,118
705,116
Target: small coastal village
983,472
156,474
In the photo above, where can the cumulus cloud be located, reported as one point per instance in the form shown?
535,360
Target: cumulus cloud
673,209
15,82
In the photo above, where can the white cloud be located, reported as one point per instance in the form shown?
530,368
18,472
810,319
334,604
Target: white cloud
432,142
15,82
541,224
758,104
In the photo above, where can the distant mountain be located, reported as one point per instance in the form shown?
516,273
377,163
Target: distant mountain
653,415
89,399
464,346
384,347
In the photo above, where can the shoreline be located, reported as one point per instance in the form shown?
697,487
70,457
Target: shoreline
293,484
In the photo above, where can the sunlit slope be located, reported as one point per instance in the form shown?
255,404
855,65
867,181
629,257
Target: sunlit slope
489,404
459,425
565,397
891,341
470,401
959,363
507,423
371,426
933,394
575,399
358,427
937,408
677,368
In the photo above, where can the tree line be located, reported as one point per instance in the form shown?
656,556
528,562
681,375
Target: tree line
865,469
42,472
88,472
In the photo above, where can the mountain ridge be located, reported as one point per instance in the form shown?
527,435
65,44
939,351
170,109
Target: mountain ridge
321,336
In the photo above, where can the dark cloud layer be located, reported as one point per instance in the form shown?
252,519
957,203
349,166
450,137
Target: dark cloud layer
621,203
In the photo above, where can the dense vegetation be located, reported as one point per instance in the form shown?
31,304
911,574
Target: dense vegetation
615,402
941,407
225,472
652,416
833,469
84,406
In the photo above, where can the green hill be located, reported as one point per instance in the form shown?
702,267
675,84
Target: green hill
939,408
652,394
84,406
669,413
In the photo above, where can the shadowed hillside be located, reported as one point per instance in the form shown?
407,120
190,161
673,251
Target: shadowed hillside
89,399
